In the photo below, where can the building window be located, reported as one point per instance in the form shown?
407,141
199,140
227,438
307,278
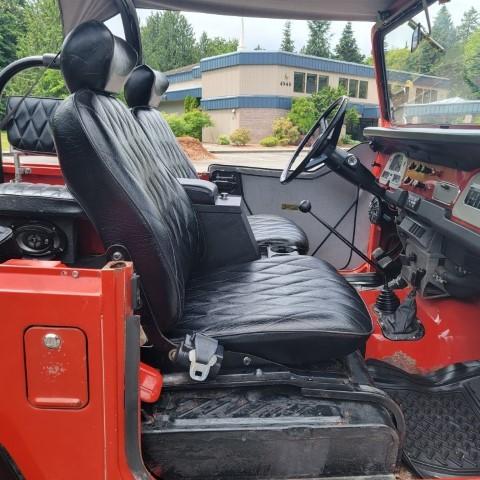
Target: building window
322,82
353,88
311,83
363,89
343,82
424,95
299,82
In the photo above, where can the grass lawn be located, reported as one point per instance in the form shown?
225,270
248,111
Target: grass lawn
5,146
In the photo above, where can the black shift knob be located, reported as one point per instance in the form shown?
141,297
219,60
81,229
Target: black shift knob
305,206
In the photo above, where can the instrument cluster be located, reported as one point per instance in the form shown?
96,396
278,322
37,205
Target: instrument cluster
457,190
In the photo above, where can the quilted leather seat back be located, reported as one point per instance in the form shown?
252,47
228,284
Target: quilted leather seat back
28,130
143,93
109,166
164,142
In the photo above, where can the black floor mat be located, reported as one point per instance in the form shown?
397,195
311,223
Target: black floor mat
442,413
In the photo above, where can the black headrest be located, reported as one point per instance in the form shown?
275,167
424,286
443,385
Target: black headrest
92,57
145,87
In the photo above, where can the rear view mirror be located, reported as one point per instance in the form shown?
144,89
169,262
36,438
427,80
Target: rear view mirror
417,37
419,34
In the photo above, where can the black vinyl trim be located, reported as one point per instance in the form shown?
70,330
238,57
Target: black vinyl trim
8,468
132,435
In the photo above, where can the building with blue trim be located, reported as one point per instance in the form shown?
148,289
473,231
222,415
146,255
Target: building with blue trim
252,89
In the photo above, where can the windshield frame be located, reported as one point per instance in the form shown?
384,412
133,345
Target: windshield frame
380,31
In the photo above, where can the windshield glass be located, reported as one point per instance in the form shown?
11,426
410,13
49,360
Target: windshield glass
435,79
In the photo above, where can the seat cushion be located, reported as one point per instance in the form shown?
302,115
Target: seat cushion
276,230
293,310
23,197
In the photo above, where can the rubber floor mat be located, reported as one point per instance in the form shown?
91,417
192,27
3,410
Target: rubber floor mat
442,413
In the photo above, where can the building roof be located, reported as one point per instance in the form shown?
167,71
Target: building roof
298,60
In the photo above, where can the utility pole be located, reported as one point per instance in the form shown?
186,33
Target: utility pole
241,43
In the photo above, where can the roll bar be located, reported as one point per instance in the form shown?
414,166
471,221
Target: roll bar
49,60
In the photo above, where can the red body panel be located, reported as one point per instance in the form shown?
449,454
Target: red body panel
452,332
56,376
59,443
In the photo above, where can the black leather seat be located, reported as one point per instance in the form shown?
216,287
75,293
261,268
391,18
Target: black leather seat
292,310
143,92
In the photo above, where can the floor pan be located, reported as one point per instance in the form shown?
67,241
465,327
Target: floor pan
442,413
266,433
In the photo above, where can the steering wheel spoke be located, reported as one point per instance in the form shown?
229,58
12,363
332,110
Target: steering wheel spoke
322,146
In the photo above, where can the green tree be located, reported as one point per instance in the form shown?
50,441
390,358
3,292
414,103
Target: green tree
288,44
318,43
397,58
303,113
43,29
472,65
210,47
325,97
168,41
426,58
190,103
42,33
347,47
470,23
11,26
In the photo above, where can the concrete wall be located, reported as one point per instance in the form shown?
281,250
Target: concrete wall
259,121
264,80
225,122
172,107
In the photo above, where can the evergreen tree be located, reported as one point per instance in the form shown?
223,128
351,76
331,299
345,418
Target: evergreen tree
42,29
41,33
470,23
397,58
168,41
288,44
472,65
318,43
427,58
210,47
11,26
347,48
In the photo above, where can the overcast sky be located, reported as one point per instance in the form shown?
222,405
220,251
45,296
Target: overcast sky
268,32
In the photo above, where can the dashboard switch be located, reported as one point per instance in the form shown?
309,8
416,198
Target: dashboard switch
412,202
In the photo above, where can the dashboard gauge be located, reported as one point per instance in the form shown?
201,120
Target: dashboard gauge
394,170
378,213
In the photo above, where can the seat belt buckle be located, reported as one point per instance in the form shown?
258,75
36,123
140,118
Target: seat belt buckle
199,371
201,354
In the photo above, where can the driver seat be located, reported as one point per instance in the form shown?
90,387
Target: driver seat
293,310
143,92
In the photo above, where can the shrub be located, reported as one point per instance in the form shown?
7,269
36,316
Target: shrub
325,97
269,141
240,136
352,120
176,122
223,140
347,140
303,113
190,103
285,131
195,120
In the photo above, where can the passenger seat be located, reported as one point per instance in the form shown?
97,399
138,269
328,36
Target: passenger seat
143,92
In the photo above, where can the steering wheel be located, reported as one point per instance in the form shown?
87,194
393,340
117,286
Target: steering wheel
323,146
